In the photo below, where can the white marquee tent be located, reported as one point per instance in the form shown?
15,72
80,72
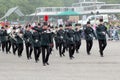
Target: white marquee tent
12,10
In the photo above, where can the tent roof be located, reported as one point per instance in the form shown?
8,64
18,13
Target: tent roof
68,13
11,10
42,13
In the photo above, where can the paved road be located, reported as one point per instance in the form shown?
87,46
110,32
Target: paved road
83,67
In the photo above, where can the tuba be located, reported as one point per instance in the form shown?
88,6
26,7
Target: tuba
13,35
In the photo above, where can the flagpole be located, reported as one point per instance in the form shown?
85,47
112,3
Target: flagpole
34,16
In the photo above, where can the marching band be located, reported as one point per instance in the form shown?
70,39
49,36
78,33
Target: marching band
40,40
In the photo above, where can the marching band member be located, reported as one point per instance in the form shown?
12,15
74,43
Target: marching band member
19,41
78,34
70,36
3,34
28,41
46,43
89,33
101,31
36,43
61,40
13,40
8,41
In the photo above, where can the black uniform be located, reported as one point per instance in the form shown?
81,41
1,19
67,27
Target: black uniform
89,33
70,36
101,31
3,34
28,43
13,40
46,40
78,39
8,43
37,46
61,41
66,42
19,42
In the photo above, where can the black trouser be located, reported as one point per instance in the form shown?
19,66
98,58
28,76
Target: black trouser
71,50
20,49
37,51
78,44
51,49
56,43
4,46
8,46
61,49
102,45
29,50
89,44
14,48
45,56
64,47
0,45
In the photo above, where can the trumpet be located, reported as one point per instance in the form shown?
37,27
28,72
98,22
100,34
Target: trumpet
20,34
13,35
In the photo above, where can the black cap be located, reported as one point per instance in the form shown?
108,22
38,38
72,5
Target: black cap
77,24
69,24
2,27
39,24
19,26
56,27
6,26
101,20
66,25
26,26
14,28
88,22
29,25
51,27
48,25
45,23
60,25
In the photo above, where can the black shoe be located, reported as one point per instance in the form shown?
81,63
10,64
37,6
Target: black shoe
36,61
77,51
88,53
44,64
63,54
72,57
19,56
30,57
47,63
60,55
6,52
14,53
101,55
10,52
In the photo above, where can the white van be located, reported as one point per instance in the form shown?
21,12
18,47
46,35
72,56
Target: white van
94,19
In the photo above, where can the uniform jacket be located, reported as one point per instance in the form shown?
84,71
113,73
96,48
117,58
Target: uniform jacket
100,30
